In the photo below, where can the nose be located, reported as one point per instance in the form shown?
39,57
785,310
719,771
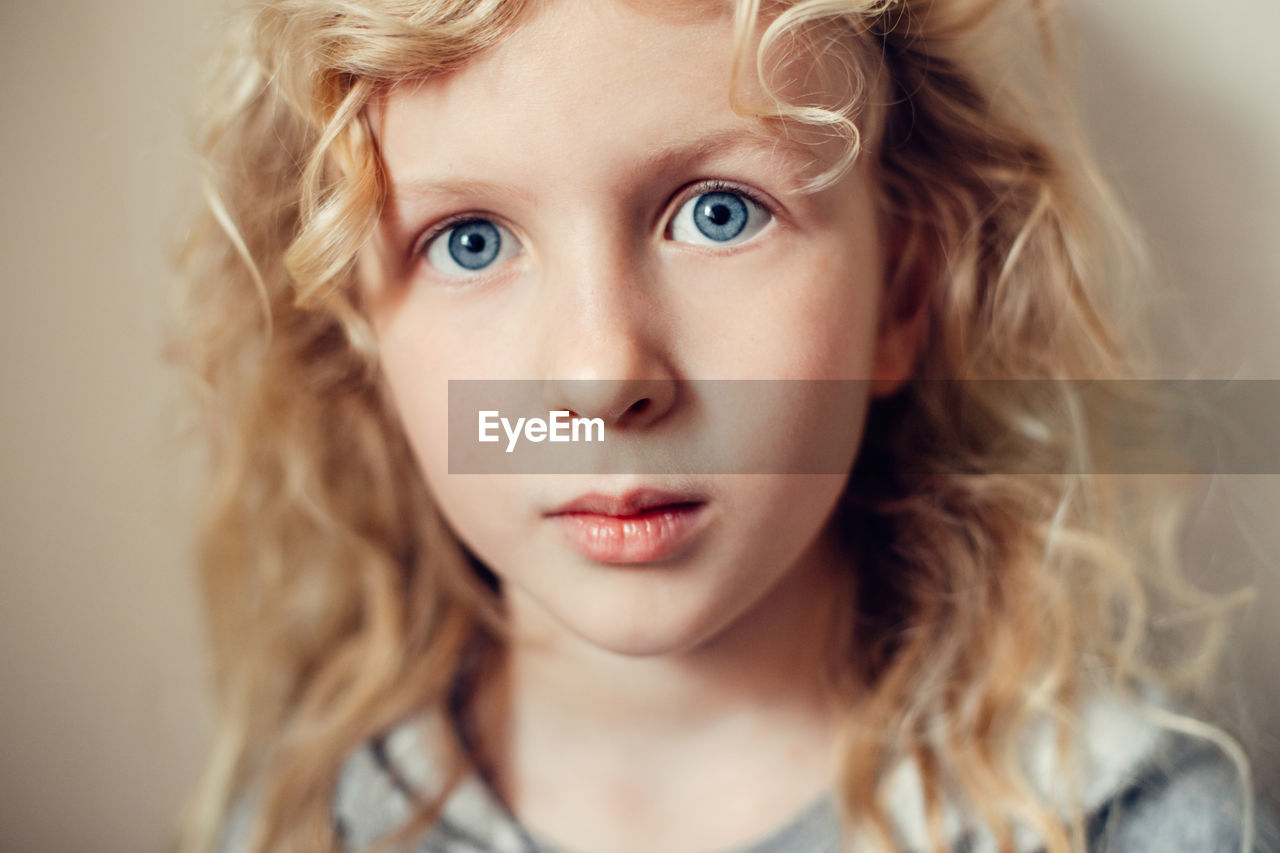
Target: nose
605,340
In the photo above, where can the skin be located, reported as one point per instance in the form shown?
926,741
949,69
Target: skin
634,697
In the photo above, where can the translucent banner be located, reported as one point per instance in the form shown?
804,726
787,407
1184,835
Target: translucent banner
821,427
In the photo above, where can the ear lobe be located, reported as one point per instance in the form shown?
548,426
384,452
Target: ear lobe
910,270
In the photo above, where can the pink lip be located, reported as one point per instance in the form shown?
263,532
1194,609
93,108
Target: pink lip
641,526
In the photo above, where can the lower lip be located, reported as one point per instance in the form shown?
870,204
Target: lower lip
641,538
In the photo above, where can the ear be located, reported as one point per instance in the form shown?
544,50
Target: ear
911,265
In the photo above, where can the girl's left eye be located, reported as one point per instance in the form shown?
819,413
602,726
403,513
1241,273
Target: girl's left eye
719,218
470,247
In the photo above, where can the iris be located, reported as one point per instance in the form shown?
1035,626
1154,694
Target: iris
474,245
720,216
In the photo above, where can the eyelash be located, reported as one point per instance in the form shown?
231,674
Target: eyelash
709,185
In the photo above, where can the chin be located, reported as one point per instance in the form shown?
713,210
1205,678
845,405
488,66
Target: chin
648,630
643,642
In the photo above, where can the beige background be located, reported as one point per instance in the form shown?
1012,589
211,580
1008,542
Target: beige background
102,707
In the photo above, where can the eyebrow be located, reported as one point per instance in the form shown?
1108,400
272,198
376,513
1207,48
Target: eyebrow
704,147
680,153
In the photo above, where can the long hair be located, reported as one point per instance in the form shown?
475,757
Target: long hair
339,602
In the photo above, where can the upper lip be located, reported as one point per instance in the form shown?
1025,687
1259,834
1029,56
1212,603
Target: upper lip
628,503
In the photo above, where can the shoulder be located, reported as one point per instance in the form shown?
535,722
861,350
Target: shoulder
381,781
376,790
384,782
1188,796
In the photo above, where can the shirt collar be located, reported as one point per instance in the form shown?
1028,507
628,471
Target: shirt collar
1117,739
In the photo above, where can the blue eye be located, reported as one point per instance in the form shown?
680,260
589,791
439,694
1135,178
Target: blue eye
470,247
718,218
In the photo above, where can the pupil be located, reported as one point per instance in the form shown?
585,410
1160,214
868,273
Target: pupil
473,242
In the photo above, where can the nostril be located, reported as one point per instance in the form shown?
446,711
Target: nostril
638,406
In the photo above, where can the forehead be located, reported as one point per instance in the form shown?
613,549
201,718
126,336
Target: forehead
579,87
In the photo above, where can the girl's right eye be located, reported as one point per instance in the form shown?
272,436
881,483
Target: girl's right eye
470,247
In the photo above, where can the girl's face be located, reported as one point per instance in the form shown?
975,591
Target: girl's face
581,202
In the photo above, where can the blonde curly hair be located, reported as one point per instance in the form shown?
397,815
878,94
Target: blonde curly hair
339,601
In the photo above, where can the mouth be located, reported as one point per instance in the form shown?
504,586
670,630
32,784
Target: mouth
640,526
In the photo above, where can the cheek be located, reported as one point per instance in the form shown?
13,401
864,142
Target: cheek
836,329
835,315
417,360
777,518
807,318
479,508
419,390
486,513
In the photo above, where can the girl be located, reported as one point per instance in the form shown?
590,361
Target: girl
922,645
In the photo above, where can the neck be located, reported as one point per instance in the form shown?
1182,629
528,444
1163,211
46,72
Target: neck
752,703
